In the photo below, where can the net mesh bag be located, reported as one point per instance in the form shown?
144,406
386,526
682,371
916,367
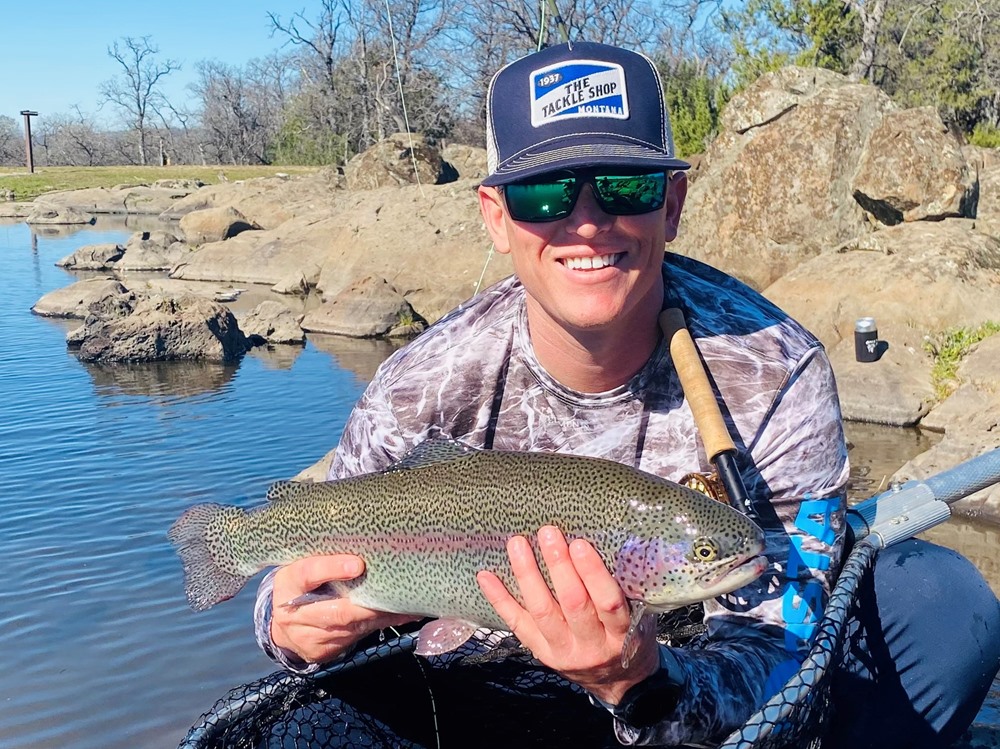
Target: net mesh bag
485,694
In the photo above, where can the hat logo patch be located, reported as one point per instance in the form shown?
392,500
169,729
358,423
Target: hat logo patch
580,88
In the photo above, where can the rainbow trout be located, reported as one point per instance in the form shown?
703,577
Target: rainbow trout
426,525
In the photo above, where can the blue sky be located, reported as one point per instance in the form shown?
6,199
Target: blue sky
54,52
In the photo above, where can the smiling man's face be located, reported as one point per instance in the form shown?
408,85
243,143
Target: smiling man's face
590,271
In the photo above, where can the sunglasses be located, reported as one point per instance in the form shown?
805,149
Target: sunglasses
553,196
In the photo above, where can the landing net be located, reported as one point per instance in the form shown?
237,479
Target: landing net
484,694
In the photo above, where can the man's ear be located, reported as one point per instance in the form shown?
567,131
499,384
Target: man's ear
676,193
492,207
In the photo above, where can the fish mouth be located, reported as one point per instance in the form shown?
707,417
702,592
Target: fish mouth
741,571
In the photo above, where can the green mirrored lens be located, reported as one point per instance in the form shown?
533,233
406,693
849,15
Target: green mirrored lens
543,201
623,195
617,194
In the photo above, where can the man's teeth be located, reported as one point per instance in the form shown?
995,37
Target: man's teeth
589,263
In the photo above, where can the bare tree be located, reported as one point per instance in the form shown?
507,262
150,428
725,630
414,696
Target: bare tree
242,108
356,57
11,142
137,92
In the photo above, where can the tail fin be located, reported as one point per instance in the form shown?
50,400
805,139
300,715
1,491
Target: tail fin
205,581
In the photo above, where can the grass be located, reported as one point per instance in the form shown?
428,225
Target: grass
949,348
28,186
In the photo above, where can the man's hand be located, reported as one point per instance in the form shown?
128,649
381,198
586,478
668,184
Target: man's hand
580,630
321,631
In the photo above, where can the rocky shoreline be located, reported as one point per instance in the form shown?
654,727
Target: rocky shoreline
819,192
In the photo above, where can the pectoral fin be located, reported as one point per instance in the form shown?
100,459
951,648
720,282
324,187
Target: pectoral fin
637,627
443,635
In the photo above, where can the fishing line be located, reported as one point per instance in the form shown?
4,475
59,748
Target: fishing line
489,256
430,694
402,98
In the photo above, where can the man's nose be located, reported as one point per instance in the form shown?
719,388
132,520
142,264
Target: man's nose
588,219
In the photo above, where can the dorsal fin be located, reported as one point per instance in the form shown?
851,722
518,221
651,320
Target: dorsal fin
433,451
282,491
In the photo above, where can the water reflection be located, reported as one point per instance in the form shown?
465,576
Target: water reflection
277,356
877,452
54,230
160,379
360,356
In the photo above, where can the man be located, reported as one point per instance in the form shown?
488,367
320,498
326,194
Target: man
584,192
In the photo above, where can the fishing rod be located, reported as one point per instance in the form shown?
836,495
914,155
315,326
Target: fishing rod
902,511
718,443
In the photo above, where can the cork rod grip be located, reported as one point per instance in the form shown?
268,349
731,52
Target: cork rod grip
697,389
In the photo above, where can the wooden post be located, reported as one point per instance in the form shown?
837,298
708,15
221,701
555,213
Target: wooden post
28,114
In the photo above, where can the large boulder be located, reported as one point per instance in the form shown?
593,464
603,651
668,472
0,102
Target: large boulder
162,328
93,257
400,159
808,160
774,189
214,225
76,299
469,162
913,169
16,210
52,215
273,322
152,251
896,390
368,308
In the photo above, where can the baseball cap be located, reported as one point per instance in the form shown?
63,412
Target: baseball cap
577,104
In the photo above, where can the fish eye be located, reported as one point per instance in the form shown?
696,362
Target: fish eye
705,549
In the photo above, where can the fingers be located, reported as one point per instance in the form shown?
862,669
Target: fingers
584,600
324,630
603,590
305,575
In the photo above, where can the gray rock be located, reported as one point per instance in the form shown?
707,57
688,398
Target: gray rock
369,308
131,199
775,94
266,202
152,251
274,322
44,214
214,225
896,390
104,310
93,257
912,168
294,283
469,162
75,300
400,159
916,279
774,189
162,328
427,241
981,366
16,210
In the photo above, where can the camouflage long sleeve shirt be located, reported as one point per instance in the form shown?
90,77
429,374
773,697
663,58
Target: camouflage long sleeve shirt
473,376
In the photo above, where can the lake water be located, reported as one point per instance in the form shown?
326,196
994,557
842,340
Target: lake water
100,648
